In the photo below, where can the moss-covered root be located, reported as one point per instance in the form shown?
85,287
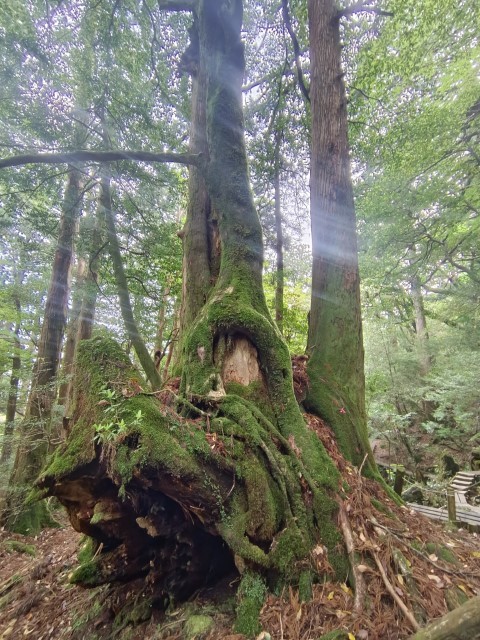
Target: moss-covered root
251,595
460,624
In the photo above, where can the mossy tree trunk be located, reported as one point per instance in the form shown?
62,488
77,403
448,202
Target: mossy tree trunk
335,343
35,428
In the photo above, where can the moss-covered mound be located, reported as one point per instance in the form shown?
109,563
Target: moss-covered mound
187,493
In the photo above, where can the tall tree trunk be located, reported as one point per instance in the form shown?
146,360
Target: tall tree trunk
133,333
159,348
173,343
72,331
90,289
427,407
14,377
421,332
279,272
200,236
335,344
35,428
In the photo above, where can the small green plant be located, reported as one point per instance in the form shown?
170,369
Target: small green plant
106,432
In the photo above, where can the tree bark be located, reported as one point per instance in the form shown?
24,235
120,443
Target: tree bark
421,332
279,272
72,332
335,343
200,234
90,290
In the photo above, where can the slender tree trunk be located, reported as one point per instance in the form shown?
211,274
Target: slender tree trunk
421,332
335,344
90,290
173,344
159,348
427,407
35,428
279,274
72,331
134,336
14,378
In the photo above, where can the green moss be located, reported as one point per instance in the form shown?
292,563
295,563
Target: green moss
87,550
254,393
251,595
19,547
197,626
382,508
291,545
442,552
305,586
339,563
337,634
263,516
87,575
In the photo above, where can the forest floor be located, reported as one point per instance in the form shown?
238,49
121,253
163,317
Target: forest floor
37,601
412,569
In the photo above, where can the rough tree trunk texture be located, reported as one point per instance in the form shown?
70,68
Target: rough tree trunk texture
174,342
200,234
462,623
133,333
35,428
279,273
14,379
335,343
72,331
90,289
159,349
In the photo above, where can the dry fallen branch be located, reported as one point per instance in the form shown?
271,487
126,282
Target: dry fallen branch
402,606
360,587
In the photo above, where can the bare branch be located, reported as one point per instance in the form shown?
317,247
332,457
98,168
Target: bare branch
176,5
359,7
296,50
99,156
